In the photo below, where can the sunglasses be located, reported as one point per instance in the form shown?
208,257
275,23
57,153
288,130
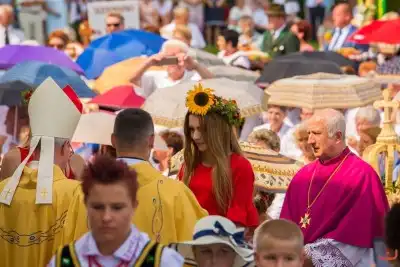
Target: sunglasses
57,46
116,25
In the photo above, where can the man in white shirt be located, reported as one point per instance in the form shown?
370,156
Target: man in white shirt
181,17
342,16
8,35
186,69
231,55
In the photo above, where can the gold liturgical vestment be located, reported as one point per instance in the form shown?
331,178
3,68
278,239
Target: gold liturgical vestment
30,233
167,210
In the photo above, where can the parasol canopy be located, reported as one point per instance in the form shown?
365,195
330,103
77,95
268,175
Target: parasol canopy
30,74
119,74
287,68
324,90
321,55
378,31
205,58
234,73
119,97
273,171
168,106
118,46
11,55
97,127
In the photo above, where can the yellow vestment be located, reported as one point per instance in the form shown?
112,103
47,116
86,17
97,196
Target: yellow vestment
167,210
30,233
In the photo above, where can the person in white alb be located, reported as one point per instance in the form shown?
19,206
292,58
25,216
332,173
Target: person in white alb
181,17
8,35
110,190
274,119
186,69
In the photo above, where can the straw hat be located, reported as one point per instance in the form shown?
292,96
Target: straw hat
275,10
217,230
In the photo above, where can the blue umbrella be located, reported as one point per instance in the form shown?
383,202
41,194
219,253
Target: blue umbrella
30,74
113,48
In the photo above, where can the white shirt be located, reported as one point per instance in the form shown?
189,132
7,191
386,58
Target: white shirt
154,80
278,32
197,37
130,251
238,59
289,147
15,36
164,8
339,38
236,13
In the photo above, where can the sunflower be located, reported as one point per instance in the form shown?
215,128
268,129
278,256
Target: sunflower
200,100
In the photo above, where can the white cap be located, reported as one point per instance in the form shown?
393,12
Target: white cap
53,113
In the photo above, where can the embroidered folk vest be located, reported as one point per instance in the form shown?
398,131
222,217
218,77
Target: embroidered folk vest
149,257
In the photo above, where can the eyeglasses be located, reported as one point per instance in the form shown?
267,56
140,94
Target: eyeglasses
115,25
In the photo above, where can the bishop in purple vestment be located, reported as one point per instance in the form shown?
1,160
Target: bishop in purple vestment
337,200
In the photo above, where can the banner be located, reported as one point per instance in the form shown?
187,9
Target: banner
97,13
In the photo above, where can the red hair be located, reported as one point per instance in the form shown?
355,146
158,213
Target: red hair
305,28
106,170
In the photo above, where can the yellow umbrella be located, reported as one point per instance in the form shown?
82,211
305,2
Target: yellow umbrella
119,74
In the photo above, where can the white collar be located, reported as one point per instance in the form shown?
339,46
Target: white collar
131,161
344,29
125,252
278,31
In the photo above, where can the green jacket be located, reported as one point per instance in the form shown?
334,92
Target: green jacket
286,43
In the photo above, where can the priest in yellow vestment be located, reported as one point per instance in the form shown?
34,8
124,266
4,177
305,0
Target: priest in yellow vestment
167,210
35,199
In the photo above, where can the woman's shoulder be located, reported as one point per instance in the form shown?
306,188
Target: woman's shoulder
239,161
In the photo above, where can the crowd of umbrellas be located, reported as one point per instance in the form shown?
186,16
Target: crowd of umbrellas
309,79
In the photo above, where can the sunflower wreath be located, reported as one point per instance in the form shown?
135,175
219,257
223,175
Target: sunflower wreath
201,101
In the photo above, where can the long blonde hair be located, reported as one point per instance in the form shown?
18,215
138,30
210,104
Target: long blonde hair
221,142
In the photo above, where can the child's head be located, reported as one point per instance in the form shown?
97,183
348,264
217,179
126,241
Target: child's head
279,243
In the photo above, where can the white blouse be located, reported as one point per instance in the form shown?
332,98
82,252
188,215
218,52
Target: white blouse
129,251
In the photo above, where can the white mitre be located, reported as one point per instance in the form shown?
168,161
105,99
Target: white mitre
53,113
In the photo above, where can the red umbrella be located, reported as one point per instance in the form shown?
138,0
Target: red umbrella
378,31
119,97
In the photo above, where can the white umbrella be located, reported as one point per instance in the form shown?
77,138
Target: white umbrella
234,73
97,127
168,106
323,90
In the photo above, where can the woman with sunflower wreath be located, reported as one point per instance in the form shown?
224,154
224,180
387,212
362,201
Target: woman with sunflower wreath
214,167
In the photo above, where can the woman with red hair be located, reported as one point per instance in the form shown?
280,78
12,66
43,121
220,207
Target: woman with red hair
110,195
302,29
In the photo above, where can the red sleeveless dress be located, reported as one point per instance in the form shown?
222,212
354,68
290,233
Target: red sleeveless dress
24,152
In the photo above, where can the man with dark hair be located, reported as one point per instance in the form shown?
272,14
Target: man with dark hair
167,209
231,54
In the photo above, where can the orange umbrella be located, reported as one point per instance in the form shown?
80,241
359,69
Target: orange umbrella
119,74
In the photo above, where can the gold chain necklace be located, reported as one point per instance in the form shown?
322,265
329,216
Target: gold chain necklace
306,219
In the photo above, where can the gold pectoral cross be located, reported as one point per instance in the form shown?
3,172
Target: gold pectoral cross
305,220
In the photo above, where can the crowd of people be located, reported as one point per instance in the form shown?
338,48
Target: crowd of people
67,204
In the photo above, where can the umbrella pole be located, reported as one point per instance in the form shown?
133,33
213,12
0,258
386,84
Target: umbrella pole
15,125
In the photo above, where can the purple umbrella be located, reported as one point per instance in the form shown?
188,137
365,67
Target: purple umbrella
11,55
